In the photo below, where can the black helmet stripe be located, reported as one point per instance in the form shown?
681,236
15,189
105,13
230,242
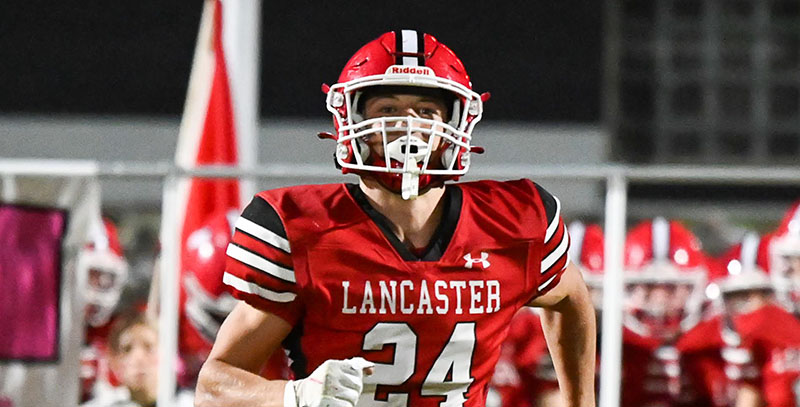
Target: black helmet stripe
410,47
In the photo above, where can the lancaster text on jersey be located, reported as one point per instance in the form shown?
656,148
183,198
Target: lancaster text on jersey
424,297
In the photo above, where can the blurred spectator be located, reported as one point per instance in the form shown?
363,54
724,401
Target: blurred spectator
133,357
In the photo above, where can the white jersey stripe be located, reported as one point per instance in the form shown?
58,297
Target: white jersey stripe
557,253
252,288
410,45
263,234
551,228
260,263
546,283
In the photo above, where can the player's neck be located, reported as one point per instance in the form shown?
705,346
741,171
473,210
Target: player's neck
414,221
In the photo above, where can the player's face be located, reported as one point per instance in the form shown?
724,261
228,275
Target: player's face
659,299
403,105
746,301
792,268
660,306
136,361
102,283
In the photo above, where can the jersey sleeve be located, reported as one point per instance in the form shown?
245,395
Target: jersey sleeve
555,255
259,264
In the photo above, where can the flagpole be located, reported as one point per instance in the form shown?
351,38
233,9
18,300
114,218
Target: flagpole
242,38
168,293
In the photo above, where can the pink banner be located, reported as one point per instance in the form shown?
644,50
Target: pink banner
30,277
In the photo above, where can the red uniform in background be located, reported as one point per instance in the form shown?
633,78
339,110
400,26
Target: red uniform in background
771,336
106,270
784,254
500,245
665,273
525,370
704,381
205,300
525,373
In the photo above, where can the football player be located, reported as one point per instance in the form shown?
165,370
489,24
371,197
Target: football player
205,300
785,260
711,355
103,264
665,273
763,340
525,376
397,290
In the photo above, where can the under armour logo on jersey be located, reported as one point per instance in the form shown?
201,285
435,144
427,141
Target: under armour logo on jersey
483,260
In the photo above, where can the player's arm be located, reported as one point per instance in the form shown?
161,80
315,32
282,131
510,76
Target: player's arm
229,376
568,321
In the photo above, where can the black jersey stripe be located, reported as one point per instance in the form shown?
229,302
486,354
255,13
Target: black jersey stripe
549,202
263,214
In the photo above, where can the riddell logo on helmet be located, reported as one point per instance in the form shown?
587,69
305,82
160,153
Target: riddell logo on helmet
410,70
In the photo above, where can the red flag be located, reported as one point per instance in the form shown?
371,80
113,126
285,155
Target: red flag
208,136
208,133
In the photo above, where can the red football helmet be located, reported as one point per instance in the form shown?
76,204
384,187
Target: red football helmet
205,301
587,250
744,266
208,300
741,269
665,274
106,272
785,259
405,59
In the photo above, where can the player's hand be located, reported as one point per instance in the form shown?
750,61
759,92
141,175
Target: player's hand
335,383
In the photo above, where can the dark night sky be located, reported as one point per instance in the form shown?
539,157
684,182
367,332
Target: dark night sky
540,60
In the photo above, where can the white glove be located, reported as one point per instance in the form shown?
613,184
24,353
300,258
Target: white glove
335,383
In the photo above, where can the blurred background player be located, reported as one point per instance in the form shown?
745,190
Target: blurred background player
205,300
665,274
762,339
525,375
587,251
710,353
785,260
106,270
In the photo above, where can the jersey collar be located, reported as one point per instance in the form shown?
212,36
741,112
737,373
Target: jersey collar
440,239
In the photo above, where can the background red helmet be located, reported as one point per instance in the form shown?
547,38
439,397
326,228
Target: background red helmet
103,264
664,255
205,301
208,300
744,266
587,251
406,59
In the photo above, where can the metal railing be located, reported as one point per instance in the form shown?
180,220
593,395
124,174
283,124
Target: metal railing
615,177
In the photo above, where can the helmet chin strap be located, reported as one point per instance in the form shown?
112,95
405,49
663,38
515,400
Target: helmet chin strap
409,150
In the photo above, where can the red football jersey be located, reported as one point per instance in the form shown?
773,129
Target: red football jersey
703,378
525,370
324,260
650,371
772,337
